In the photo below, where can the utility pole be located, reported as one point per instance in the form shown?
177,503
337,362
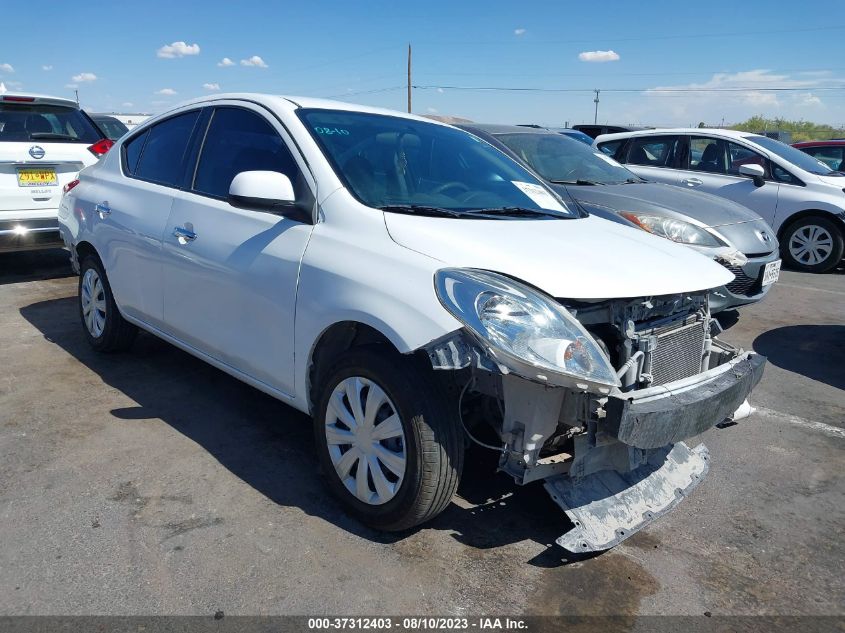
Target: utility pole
409,78
596,101
76,92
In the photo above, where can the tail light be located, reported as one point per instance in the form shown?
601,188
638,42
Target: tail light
101,147
18,99
70,185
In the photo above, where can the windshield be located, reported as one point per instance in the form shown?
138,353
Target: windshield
560,159
789,153
24,122
396,164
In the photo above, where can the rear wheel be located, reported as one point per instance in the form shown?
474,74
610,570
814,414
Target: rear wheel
813,244
104,326
387,439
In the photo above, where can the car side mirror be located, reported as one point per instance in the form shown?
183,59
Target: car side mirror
755,172
269,191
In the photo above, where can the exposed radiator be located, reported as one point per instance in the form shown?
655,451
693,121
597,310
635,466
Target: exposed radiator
678,351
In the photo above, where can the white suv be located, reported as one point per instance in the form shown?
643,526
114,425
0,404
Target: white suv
413,289
800,197
44,142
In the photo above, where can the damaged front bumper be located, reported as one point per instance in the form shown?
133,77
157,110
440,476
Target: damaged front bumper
671,413
616,462
608,506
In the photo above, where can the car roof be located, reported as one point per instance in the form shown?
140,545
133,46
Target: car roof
288,102
733,134
38,98
834,142
494,128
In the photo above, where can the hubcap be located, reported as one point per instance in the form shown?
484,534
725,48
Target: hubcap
366,440
93,298
811,244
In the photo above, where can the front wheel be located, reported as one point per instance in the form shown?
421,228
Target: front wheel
104,326
387,438
813,244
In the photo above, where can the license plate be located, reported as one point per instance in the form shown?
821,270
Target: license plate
36,177
771,272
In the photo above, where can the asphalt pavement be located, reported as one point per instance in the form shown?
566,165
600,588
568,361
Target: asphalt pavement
152,483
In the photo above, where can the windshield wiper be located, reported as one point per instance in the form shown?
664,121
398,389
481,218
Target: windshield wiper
62,137
580,181
634,181
518,212
419,209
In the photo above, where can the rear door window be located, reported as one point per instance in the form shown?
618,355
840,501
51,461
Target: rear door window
26,122
654,151
161,159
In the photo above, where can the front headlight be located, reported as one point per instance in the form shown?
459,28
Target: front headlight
524,330
675,230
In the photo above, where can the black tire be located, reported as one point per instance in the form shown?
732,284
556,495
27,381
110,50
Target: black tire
117,333
836,251
432,439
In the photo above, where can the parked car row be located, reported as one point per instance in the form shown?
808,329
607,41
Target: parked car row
729,233
416,288
801,197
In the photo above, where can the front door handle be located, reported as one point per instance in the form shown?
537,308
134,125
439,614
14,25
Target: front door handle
692,182
184,235
102,209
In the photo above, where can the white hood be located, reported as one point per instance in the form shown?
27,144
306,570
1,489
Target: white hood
587,258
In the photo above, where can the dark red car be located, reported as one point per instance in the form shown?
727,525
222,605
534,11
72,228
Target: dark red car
831,153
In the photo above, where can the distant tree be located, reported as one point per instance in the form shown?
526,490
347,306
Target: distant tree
800,130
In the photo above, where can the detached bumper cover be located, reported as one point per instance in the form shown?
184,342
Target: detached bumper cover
607,507
677,416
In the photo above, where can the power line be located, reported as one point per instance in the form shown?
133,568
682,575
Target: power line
648,90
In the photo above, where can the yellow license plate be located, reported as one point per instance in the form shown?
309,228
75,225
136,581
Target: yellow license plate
36,177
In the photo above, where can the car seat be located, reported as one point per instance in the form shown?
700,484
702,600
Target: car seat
710,159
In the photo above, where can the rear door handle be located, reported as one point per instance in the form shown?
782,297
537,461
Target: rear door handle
184,235
102,209
692,182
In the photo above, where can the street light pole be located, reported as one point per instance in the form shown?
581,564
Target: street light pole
596,101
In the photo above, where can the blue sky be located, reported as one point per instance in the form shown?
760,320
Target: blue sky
148,55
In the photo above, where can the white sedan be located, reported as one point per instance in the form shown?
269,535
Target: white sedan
413,289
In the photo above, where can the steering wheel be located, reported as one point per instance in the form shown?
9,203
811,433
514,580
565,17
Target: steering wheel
454,184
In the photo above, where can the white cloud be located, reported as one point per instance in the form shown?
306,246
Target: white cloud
83,78
214,86
72,86
736,97
519,32
432,110
166,91
127,104
255,60
598,56
6,68
3,88
223,63
46,67
177,49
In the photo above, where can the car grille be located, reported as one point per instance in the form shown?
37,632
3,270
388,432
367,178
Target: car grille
678,351
742,283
